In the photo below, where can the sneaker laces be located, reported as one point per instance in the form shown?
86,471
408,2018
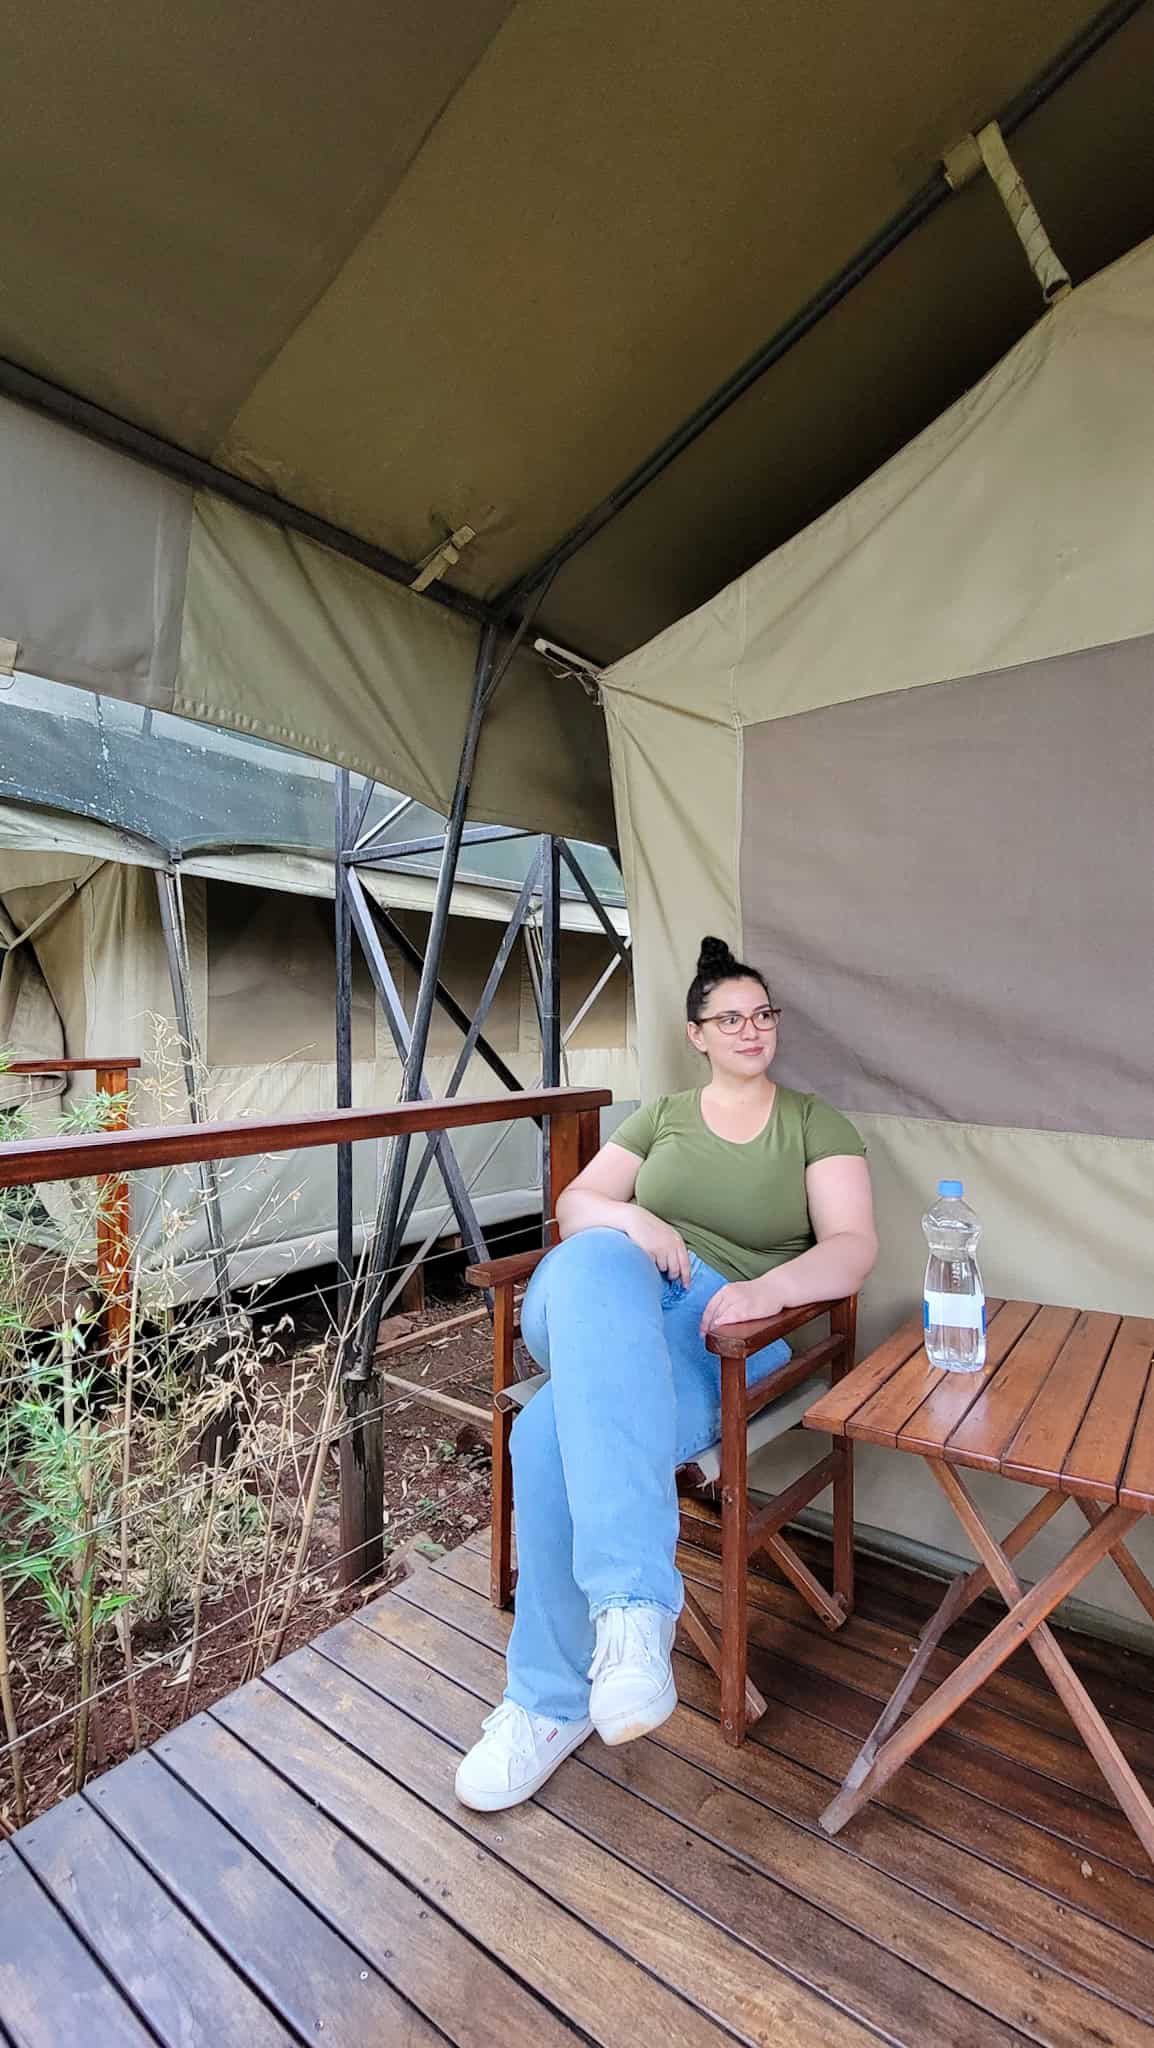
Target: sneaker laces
625,1633
514,1725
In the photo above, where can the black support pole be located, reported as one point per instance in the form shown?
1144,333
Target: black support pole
170,897
550,1001
344,1050
447,1001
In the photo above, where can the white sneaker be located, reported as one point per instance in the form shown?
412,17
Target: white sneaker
631,1674
515,1755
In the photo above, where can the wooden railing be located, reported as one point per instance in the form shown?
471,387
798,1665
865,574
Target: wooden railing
573,1135
114,1211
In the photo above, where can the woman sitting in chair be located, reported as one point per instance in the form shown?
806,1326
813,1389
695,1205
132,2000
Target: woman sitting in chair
725,1204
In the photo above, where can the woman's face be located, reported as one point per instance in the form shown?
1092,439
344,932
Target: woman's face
737,1031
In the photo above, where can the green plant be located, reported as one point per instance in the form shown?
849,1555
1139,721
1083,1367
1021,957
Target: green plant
100,1111
63,1467
113,1519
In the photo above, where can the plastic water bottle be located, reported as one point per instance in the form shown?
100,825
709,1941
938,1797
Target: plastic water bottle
955,1304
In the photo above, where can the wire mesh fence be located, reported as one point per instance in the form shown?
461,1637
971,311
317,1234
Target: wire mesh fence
171,1506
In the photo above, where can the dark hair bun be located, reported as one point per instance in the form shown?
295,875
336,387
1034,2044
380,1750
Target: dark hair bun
715,959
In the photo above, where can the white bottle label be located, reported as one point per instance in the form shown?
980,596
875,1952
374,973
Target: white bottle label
955,1311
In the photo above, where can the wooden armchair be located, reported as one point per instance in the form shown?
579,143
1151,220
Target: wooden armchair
750,1419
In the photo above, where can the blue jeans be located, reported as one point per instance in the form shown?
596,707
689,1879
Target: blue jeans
632,1394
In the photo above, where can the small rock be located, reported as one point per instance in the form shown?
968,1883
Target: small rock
1087,1869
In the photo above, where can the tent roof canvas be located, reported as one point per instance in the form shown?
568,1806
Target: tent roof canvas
473,281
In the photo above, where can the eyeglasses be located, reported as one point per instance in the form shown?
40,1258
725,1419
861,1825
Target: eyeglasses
731,1021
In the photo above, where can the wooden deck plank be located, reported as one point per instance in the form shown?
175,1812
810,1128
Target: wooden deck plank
1057,1759
828,1948
899,1600
986,1968
1080,1819
1025,1743
299,1855
175,1977
970,1816
453,1982
52,1993
699,1959
954,1873
315,1980
591,1979
973,1809
1026,1701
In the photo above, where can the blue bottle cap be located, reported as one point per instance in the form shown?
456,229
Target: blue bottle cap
952,1189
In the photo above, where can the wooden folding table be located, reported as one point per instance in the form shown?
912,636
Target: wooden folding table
1065,1402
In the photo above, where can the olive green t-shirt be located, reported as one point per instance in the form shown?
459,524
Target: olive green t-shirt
740,1207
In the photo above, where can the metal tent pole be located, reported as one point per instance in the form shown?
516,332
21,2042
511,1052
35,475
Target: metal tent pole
170,896
343,940
550,1002
433,842
445,997
389,1207
362,841
610,930
472,1039
389,998
603,980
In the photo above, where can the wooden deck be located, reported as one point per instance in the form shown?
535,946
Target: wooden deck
293,1866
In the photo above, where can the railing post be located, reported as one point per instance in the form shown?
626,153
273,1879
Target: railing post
113,1225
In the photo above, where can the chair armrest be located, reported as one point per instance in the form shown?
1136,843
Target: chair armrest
502,1272
738,1340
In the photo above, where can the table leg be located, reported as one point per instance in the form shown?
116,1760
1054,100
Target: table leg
966,1588
1133,1574
1065,1681
1028,1610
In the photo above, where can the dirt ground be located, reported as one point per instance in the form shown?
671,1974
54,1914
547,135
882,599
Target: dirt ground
436,1493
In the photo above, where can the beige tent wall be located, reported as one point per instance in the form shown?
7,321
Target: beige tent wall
284,639
113,578
992,584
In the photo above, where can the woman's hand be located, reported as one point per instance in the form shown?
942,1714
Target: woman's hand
660,1242
742,1301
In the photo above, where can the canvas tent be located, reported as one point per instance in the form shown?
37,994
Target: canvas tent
566,304
97,799
923,747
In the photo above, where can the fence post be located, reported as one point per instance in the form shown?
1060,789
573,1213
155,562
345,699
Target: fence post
362,1465
113,1226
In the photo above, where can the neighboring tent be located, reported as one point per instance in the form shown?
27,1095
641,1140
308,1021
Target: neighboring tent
114,794
922,743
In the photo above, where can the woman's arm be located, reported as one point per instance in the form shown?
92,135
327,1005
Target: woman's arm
602,1197
841,1213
